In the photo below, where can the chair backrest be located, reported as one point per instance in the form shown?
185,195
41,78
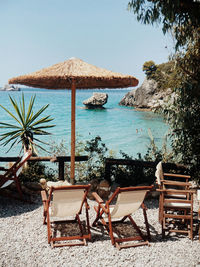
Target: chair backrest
159,173
67,200
23,160
15,170
128,201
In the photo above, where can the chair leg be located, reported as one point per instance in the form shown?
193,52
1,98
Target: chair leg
160,211
146,221
98,216
163,228
49,233
124,218
88,222
79,223
136,227
199,231
191,227
111,230
45,217
19,188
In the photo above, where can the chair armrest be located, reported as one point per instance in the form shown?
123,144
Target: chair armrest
177,175
44,199
100,202
97,198
44,195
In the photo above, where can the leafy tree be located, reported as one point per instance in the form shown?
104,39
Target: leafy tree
26,125
183,116
182,17
149,68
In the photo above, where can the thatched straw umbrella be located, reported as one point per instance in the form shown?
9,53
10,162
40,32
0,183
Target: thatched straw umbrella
71,74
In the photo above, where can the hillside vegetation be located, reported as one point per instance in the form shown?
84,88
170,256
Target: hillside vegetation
164,74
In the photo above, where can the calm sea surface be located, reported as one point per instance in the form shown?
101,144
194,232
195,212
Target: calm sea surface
121,128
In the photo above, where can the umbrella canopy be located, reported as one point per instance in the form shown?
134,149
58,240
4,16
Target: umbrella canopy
71,74
59,76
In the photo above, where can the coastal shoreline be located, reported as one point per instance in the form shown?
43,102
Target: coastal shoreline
116,125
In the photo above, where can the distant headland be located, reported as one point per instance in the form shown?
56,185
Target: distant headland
9,87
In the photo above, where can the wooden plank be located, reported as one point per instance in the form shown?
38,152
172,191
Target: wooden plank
9,159
53,159
61,170
68,158
141,163
129,245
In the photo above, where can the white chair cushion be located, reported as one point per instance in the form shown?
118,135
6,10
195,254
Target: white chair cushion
66,202
127,203
57,184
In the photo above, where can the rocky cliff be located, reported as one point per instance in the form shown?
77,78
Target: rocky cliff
147,96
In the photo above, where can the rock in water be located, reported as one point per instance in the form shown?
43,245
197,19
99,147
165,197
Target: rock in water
97,100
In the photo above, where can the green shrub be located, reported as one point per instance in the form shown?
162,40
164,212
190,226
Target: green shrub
97,152
94,168
34,171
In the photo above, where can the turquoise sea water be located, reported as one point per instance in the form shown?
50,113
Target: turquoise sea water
121,128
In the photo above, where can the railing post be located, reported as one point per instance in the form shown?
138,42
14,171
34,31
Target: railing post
107,171
61,171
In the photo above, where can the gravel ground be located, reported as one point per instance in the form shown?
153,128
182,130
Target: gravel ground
23,242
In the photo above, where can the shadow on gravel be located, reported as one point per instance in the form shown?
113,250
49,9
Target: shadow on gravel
12,207
99,233
156,236
151,204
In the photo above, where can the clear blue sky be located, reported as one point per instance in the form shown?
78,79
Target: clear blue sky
39,33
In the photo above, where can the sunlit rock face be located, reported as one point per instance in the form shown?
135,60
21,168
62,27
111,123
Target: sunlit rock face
97,100
147,96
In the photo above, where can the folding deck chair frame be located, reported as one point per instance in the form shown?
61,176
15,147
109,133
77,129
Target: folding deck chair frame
132,198
11,175
63,207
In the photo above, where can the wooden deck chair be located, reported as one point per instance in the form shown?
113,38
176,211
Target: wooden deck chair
198,198
171,181
129,200
11,175
176,213
63,206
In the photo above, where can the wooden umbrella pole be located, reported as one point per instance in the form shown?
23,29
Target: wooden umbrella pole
73,131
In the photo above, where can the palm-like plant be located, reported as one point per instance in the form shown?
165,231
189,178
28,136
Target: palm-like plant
27,125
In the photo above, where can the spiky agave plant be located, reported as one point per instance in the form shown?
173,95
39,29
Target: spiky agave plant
27,125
